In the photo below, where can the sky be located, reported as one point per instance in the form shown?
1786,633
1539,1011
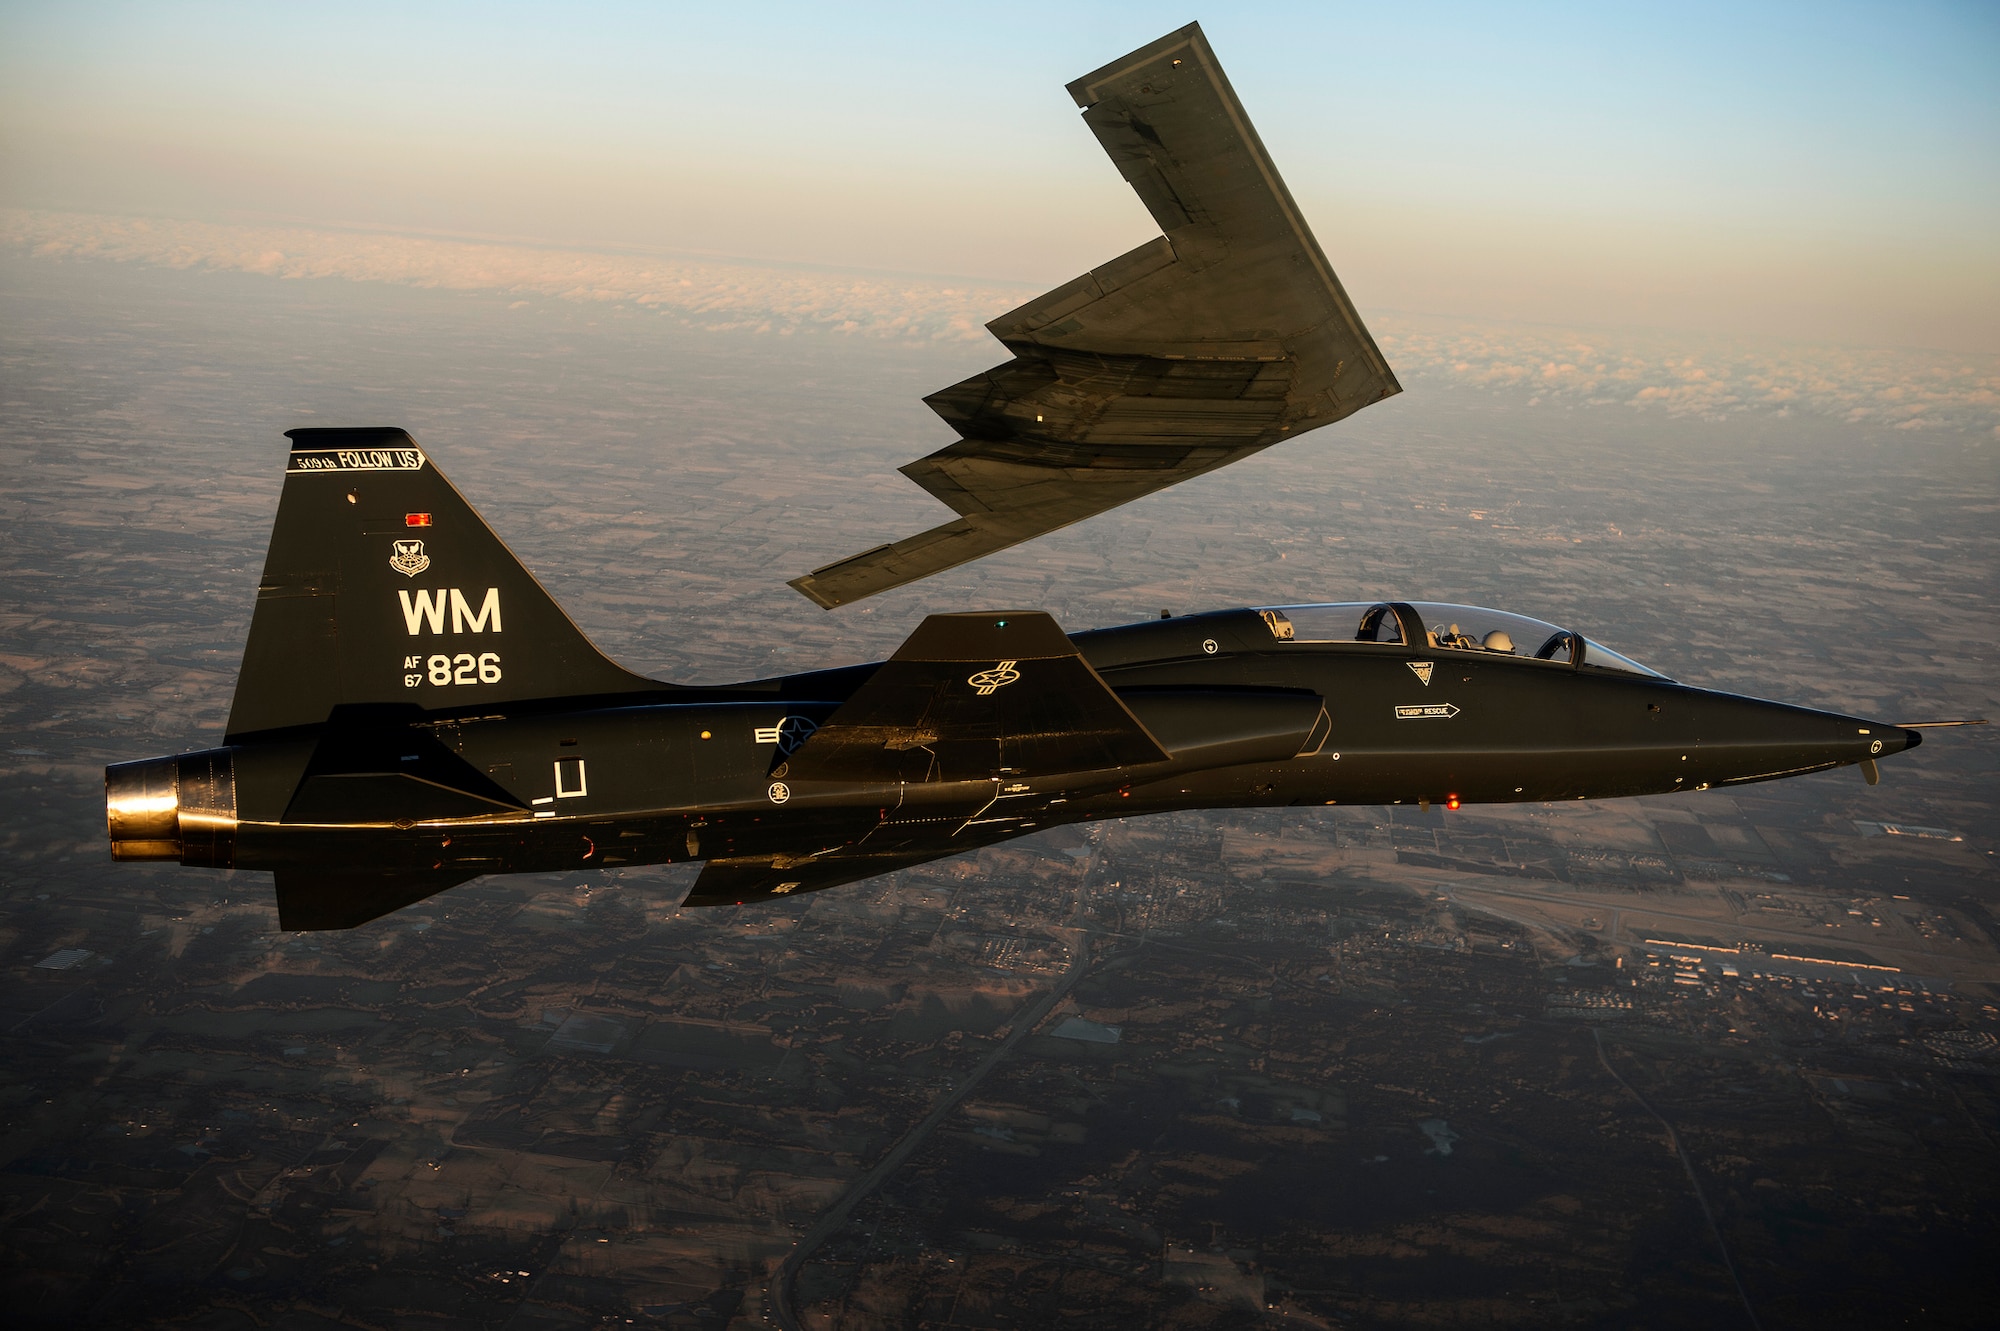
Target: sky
1826,171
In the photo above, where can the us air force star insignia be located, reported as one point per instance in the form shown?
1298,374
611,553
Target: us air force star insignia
788,734
999,677
1423,669
409,558
779,792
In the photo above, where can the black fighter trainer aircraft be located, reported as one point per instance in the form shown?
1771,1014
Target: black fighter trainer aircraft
415,711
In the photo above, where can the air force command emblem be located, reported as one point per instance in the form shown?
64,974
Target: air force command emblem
999,677
409,558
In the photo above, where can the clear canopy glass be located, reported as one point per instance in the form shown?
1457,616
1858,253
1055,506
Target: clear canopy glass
1462,628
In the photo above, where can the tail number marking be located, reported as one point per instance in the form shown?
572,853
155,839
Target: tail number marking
442,670
423,610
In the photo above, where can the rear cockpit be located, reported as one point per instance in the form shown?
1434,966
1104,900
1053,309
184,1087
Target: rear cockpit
1427,625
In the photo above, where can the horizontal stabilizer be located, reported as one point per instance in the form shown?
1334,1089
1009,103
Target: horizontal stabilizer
372,766
310,899
975,697
1225,335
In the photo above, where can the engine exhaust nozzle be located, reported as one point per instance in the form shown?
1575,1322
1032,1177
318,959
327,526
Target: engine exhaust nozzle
181,808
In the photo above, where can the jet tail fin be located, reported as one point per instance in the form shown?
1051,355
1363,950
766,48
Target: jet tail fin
383,585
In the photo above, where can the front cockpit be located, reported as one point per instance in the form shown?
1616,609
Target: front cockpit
1427,625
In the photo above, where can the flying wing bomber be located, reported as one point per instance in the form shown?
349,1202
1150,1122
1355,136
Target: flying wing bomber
414,711
1215,340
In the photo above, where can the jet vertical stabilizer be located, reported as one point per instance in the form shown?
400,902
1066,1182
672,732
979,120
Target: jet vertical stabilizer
383,586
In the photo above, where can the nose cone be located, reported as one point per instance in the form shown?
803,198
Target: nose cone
1748,739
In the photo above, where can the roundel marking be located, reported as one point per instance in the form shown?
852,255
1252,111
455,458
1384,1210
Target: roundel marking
1210,646
779,792
788,734
1875,747
999,677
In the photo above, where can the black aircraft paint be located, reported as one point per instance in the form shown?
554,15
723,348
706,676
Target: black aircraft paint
414,711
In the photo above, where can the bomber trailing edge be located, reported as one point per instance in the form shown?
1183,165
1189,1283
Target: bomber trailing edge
1225,335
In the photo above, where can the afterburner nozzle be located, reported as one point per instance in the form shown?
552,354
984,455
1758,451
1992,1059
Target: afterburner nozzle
181,808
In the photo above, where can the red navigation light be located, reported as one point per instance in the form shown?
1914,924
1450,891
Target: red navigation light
416,519
1451,801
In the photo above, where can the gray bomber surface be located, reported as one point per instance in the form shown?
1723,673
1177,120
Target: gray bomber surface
1215,340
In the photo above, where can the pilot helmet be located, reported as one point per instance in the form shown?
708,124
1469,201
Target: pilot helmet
1499,640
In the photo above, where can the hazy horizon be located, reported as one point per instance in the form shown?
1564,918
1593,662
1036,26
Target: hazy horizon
1820,173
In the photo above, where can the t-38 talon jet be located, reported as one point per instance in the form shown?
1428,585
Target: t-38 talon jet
414,710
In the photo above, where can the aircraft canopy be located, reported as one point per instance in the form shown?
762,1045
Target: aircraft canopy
1431,624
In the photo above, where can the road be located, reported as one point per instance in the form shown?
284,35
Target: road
1687,1165
778,1295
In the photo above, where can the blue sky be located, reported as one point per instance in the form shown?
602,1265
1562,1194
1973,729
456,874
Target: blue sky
1796,170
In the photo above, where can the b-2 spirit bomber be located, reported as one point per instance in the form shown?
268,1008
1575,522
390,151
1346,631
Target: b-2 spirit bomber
414,710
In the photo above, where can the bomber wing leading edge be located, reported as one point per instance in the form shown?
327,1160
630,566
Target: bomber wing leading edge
1225,335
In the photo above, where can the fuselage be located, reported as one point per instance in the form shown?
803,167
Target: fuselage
1291,706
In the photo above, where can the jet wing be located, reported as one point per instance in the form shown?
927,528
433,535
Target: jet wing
1225,335
734,882
343,899
977,697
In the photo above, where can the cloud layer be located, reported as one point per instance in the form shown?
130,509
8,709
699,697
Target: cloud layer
717,293
1685,375
1673,373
